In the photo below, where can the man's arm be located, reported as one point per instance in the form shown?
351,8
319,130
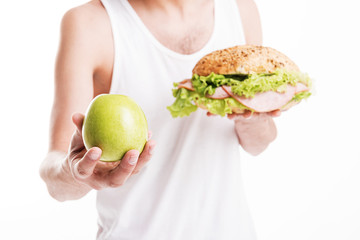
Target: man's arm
255,132
83,64
73,91
251,21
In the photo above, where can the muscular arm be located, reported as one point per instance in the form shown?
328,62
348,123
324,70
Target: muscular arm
74,89
257,132
74,71
77,62
83,70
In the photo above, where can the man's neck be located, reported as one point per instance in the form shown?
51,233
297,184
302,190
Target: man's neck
169,6
178,24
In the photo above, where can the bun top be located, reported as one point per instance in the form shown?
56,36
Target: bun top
244,59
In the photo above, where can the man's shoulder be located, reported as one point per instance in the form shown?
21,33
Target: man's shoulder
86,17
86,36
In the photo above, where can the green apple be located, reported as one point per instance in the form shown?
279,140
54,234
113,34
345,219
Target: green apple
116,124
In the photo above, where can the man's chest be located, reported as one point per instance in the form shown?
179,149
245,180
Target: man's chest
184,32
185,40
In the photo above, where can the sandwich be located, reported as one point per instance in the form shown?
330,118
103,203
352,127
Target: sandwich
239,79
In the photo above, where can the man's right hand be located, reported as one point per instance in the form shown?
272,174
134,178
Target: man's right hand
86,167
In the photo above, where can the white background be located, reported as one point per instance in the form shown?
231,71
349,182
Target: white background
305,186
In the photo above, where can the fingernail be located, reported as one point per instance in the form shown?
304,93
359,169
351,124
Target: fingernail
94,155
249,116
132,160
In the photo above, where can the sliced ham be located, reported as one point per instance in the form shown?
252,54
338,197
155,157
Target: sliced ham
220,93
265,101
186,84
185,81
300,87
261,102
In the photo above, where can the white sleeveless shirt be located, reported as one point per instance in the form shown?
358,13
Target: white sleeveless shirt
191,189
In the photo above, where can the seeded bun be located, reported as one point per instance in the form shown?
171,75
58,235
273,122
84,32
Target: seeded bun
244,59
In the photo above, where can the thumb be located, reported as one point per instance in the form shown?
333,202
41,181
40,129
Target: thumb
85,167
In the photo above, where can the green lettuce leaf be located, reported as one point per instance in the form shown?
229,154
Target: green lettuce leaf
248,85
300,96
220,106
265,82
183,104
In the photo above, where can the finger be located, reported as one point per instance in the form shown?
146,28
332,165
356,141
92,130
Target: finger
77,144
78,120
85,167
248,114
121,173
231,116
149,135
145,156
275,113
245,115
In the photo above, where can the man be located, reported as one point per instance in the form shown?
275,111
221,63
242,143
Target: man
192,187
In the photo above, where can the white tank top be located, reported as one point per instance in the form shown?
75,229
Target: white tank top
191,189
